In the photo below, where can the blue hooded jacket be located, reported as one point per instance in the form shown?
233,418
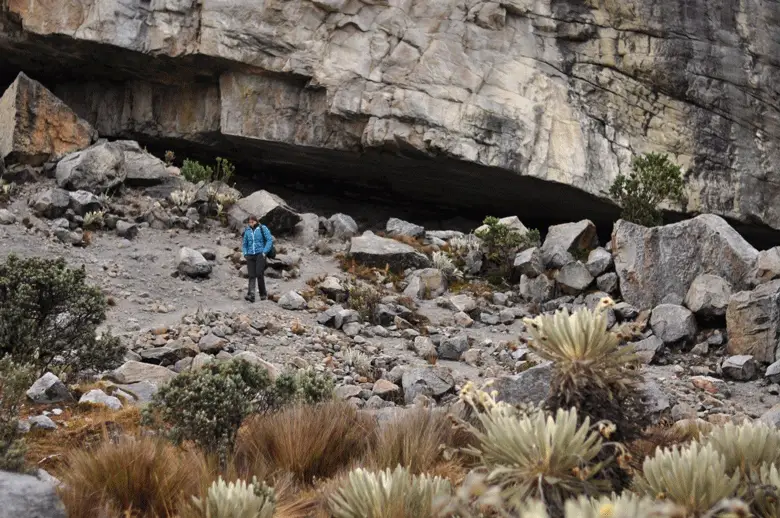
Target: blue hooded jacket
257,241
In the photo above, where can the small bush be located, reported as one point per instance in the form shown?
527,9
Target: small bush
387,494
307,441
501,244
48,311
193,171
235,500
364,299
14,382
304,386
142,477
224,170
208,406
654,179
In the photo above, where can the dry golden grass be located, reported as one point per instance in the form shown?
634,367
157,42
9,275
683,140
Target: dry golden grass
140,477
309,442
418,441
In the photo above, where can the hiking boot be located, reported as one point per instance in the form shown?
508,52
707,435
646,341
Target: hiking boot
263,297
249,298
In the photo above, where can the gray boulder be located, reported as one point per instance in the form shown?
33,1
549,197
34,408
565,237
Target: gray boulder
83,202
741,368
135,372
307,230
649,348
331,317
97,169
708,296
462,302
513,222
538,289
272,211
248,356
48,389
427,381
426,284
28,497
192,263
41,422
452,348
399,227
654,263
773,372
528,387
372,250
51,203
753,322
332,288
126,230
768,265
574,278
141,168
211,344
569,238
342,226
672,323
529,262
599,261
7,217
292,301
98,397
608,283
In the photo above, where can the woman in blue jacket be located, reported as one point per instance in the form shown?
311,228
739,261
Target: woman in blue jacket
257,244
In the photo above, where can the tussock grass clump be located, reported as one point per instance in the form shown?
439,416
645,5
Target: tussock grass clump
387,494
310,442
143,477
592,372
694,477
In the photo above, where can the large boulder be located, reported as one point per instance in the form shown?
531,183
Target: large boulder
37,127
708,296
399,227
83,202
29,497
427,381
49,389
271,210
97,169
342,226
768,265
192,263
659,264
142,168
376,251
51,203
672,323
528,387
529,262
569,238
136,372
753,322
574,278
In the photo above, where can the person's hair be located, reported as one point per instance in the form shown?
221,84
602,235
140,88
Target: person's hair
252,217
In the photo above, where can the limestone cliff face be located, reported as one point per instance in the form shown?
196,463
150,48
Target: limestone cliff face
560,90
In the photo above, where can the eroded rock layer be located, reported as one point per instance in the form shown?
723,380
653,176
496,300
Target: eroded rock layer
563,91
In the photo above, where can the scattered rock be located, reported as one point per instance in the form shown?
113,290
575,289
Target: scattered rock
426,284
332,317
192,263
201,360
399,227
753,322
142,169
608,283
567,239
7,217
452,348
97,169
708,296
306,231
37,126
28,497
768,265
49,389
211,344
126,230
386,389
513,222
41,422
372,250
710,385
463,319
464,303
673,324
538,289
574,278
770,417
135,372
529,262
332,288
272,211
653,263
649,348
51,203
98,397
292,301
740,368
599,261
83,202
528,387
342,226
346,392
773,372
427,381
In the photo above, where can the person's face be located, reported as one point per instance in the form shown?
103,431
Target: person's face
252,222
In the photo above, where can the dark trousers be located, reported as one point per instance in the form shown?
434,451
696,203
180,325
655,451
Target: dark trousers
255,265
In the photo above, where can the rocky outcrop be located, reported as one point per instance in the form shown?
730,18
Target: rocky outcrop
37,126
28,496
560,91
658,265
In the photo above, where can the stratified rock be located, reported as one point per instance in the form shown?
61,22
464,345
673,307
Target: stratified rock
192,263
741,368
574,238
753,322
49,389
768,265
51,203
399,227
372,250
28,497
427,381
574,278
97,169
672,323
708,296
342,226
135,372
37,126
98,397
428,283
654,263
292,301
528,387
599,261
84,201
272,211
529,262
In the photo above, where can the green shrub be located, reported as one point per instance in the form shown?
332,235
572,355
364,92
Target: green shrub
193,171
224,170
14,381
304,386
364,299
501,244
207,406
48,312
655,179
